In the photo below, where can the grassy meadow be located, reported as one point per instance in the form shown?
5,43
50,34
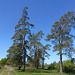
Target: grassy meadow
29,71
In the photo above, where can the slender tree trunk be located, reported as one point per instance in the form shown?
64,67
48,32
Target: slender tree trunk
19,67
24,61
61,68
61,71
24,54
43,61
35,60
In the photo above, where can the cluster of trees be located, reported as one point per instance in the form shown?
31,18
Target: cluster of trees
28,45
24,41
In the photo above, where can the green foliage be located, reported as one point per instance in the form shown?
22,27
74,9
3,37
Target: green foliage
44,50
35,47
68,66
53,66
61,37
3,61
17,53
23,41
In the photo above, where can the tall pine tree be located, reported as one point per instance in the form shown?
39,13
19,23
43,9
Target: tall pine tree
35,46
61,36
23,29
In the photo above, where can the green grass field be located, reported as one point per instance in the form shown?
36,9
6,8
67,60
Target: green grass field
38,73
6,71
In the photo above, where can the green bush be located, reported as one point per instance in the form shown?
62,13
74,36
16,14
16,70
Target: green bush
68,66
52,66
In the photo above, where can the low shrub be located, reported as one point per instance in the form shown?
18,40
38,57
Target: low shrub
68,66
52,66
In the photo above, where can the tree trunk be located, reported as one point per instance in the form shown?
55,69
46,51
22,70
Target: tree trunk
43,60
24,61
35,60
43,63
24,54
60,55
19,67
61,68
61,71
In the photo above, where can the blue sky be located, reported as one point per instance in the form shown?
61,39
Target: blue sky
42,13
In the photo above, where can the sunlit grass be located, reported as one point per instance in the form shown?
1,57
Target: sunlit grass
33,73
37,72
30,71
